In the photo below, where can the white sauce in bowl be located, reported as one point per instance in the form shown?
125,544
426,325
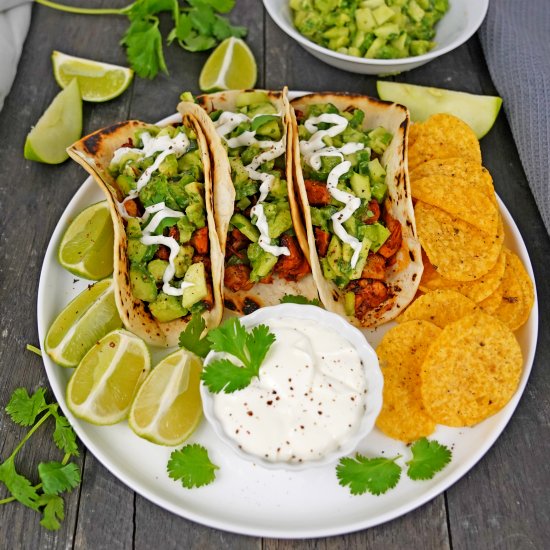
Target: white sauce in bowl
309,399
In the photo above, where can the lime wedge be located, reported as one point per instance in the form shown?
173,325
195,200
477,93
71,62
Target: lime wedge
102,388
231,66
168,406
86,249
478,111
98,81
91,315
58,127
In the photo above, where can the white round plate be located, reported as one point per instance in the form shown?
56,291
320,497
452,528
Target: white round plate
246,498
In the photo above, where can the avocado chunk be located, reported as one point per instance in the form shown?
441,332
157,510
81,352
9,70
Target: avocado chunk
376,233
156,268
245,99
362,260
269,129
169,166
186,229
143,285
167,308
196,215
244,225
133,228
183,260
140,253
262,262
349,303
193,294
278,218
361,186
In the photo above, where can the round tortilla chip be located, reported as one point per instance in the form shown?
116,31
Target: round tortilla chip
471,371
516,293
458,198
458,250
457,168
443,136
401,353
477,290
440,307
490,304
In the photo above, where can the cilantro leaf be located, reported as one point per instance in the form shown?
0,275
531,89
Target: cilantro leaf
198,43
19,486
362,474
190,338
64,436
192,466
24,408
57,477
182,30
53,512
143,8
249,347
143,43
202,18
221,6
429,457
296,299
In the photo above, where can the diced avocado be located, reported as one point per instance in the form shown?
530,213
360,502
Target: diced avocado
186,229
243,204
143,285
261,109
125,183
270,129
372,4
379,191
249,154
279,188
245,99
361,186
351,225
376,171
420,47
196,215
167,131
156,268
379,139
157,190
389,31
238,171
123,160
187,96
195,192
382,14
334,254
376,233
362,260
262,262
415,11
349,303
193,294
133,228
245,226
321,216
167,308
169,166
365,22
183,260
140,253
374,48
192,159
278,218
328,272
400,45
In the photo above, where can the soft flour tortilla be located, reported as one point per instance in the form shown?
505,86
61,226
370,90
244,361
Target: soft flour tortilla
246,301
403,277
94,154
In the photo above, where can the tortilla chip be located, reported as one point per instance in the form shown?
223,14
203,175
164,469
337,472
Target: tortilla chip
477,290
471,371
458,198
443,136
440,307
401,353
490,304
516,294
457,168
458,250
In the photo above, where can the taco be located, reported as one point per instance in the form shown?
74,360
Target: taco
167,262
257,215
350,162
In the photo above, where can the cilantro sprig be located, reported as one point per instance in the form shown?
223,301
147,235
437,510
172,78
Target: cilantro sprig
297,299
197,26
56,477
190,338
250,348
377,475
192,466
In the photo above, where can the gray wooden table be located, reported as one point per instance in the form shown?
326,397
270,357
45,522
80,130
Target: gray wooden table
503,502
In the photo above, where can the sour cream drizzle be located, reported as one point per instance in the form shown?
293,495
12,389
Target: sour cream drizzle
312,150
225,124
164,145
309,399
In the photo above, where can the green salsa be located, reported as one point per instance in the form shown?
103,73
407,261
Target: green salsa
376,29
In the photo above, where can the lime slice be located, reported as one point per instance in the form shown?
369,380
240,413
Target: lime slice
98,81
478,111
91,315
168,406
86,249
231,66
102,388
58,127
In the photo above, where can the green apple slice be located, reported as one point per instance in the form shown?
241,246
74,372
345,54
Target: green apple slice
57,128
478,111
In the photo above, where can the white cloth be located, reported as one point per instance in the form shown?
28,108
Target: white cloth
15,17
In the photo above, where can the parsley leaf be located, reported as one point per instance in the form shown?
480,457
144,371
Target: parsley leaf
296,299
57,477
24,408
192,466
362,474
53,512
429,457
249,347
19,486
190,338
